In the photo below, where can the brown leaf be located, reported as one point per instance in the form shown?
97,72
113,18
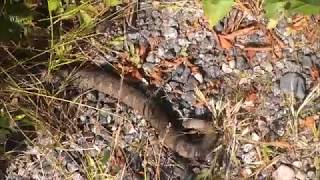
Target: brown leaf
240,32
315,74
309,122
225,43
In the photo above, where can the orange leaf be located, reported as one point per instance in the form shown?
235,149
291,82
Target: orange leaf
309,122
225,43
315,74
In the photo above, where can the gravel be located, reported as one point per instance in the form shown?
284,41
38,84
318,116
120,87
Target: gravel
293,83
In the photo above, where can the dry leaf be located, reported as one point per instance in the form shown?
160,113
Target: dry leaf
309,122
225,43
315,74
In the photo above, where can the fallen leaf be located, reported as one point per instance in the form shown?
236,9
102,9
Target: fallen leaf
315,74
225,43
309,122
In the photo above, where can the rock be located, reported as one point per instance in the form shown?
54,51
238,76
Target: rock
169,32
148,67
297,164
232,64
267,66
249,157
306,61
226,68
91,96
198,77
247,147
151,58
284,173
293,83
72,167
189,97
212,71
311,175
242,63
301,175
200,110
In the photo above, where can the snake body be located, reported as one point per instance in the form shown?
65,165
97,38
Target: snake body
110,84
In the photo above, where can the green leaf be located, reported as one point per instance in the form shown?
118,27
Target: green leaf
70,12
19,117
312,2
85,18
112,3
53,5
303,7
4,122
9,30
215,10
274,8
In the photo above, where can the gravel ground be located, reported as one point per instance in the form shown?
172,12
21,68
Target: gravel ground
264,101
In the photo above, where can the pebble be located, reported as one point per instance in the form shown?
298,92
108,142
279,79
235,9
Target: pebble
241,63
198,77
169,32
249,157
293,83
91,96
284,173
306,61
247,147
212,72
226,69
267,66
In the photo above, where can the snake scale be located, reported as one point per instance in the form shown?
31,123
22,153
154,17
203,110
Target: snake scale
110,84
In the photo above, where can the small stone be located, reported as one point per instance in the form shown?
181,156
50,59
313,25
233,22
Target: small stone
300,175
297,164
77,176
241,63
249,157
255,137
83,118
212,71
148,67
198,77
284,173
189,97
311,175
267,66
72,167
151,58
232,64
183,42
247,147
199,110
91,96
293,83
226,69
306,61
169,32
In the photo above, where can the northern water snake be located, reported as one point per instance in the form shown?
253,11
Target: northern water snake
108,83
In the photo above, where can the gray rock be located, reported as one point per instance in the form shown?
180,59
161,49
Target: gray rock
284,173
151,58
242,63
91,96
212,72
189,97
200,110
169,32
306,61
293,83
72,167
148,67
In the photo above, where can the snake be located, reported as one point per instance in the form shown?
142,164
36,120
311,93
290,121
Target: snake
157,116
